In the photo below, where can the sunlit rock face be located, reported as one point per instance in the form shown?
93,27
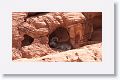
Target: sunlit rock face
41,35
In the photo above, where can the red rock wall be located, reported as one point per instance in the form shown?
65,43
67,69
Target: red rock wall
80,26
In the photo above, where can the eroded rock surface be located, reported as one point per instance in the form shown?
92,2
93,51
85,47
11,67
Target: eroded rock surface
32,34
88,53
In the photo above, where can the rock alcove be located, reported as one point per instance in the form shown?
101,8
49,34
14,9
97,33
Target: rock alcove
60,39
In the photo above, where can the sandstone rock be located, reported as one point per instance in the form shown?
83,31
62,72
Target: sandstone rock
32,32
97,22
43,40
89,53
97,35
38,22
17,19
90,15
35,50
16,37
16,54
71,18
80,34
95,18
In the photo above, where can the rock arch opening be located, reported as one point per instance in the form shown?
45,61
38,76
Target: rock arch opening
59,39
27,40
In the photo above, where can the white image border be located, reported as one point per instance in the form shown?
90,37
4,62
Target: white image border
10,67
